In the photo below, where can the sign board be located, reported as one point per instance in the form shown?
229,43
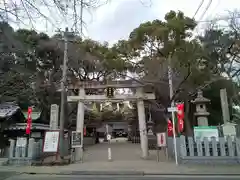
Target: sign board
229,129
76,139
51,141
161,139
172,109
54,117
205,131
21,142
109,137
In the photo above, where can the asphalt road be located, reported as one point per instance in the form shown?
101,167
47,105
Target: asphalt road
112,177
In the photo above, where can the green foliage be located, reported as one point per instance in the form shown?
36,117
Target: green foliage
31,62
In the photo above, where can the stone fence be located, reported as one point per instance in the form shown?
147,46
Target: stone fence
29,154
32,152
213,151
25,154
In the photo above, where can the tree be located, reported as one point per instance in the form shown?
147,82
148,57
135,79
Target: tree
152,43
222,49
13,71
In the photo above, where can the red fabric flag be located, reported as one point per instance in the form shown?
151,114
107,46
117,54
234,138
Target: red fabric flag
29,121
170,128
180,116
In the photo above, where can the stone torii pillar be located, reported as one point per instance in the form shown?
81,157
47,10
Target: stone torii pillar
80,125
142,124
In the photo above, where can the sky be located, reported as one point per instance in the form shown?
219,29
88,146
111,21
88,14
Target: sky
116,19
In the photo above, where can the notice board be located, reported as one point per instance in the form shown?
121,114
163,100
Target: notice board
51,142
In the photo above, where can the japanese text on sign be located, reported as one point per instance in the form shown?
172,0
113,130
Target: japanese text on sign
51,141
76,139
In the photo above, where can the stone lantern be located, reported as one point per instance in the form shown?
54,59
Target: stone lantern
201,109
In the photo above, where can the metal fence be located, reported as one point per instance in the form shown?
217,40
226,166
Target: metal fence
209,151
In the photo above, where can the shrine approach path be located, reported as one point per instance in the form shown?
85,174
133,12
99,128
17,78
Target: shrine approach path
120,151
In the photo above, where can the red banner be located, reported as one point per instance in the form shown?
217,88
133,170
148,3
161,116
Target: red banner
180,116
170,128
29,121
84,131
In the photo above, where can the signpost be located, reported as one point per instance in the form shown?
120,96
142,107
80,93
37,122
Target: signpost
109,140
161,144
109,137
172,110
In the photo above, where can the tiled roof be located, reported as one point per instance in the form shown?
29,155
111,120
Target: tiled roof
8,109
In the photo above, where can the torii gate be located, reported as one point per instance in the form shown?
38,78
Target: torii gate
139,96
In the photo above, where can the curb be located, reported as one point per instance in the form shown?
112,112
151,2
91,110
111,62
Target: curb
127,173
190,174
99,173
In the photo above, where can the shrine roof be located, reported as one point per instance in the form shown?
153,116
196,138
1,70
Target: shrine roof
35,126
8,109
34,115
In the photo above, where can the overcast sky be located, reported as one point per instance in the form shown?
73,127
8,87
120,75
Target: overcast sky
118,18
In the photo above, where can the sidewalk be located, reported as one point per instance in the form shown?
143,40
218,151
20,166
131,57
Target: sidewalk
123,167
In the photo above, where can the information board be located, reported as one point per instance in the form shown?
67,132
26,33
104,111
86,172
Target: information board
205,131
229,129
51,141
76,139
161,139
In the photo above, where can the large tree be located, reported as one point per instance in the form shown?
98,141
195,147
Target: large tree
152,44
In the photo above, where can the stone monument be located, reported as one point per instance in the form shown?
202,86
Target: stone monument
228,128
201,109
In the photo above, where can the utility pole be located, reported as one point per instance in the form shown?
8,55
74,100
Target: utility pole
63,92
170,82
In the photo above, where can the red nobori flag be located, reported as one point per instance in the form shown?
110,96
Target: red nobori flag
29,121
170,128
180,116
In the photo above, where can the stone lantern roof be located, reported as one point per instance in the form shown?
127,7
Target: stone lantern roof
200,99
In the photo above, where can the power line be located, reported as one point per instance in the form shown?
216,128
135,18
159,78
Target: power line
219,19
203,14
199,6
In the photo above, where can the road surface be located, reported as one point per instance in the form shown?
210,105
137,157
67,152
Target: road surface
113,177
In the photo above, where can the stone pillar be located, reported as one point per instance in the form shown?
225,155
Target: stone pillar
80,125
54,117
129,132
224,104
142,125
24,150
12,147
31,148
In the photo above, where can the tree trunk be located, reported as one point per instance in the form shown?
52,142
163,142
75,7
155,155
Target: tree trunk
188,126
